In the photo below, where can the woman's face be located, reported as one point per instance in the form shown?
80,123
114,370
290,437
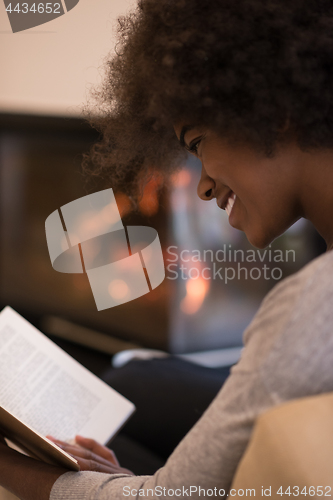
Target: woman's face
266,191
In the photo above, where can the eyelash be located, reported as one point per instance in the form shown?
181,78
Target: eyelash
193,148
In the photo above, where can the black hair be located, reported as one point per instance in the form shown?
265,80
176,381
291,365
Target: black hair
255,70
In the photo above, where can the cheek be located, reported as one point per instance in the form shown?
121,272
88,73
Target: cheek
262,195
262,215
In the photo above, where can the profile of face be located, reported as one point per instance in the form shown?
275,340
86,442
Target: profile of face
262,195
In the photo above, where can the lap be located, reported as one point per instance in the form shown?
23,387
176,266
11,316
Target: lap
170,395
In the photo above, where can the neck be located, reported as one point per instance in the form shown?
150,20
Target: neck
316,180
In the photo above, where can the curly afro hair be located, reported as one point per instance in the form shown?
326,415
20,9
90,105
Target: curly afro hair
254,70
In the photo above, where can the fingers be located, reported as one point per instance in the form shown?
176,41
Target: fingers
97,448
88,460
91,445
107,468
80,452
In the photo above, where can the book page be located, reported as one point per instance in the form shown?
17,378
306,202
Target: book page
51,392
29,442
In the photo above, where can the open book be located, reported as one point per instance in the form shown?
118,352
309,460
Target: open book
45,391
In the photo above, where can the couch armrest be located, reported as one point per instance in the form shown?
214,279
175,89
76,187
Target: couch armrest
291,445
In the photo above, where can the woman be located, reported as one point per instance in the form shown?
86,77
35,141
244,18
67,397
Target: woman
247,87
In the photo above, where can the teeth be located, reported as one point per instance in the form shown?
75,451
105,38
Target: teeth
230,204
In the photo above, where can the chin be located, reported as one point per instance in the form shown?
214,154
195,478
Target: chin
261,236
260,240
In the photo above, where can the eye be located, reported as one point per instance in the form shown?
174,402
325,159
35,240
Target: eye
194,145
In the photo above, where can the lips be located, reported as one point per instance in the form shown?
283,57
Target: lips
230,204
227,201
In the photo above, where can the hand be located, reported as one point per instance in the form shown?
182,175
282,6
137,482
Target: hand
26,477
92,455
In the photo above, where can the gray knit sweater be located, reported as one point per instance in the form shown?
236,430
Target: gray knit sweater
288,354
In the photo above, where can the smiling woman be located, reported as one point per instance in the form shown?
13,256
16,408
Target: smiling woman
263,195
247,87
250,95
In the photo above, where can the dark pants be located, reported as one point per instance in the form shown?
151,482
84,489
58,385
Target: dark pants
170,395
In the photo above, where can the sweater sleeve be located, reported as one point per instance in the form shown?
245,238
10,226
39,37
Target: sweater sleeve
206,458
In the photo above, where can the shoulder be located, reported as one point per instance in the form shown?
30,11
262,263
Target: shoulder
296,316
318,272
311,285
309,292
298,361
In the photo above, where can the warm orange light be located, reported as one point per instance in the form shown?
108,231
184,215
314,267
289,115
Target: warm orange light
118,289
149,203
182,178
124,204
196,291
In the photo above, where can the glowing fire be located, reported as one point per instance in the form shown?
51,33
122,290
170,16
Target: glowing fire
182,178
149,203
124,204
196,291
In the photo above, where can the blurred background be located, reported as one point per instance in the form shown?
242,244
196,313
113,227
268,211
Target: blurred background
47,73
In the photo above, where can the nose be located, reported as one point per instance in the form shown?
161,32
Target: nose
206,186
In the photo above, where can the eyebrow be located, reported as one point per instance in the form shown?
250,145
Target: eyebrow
185,129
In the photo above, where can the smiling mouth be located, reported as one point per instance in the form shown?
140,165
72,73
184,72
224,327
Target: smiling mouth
227,202
230,203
